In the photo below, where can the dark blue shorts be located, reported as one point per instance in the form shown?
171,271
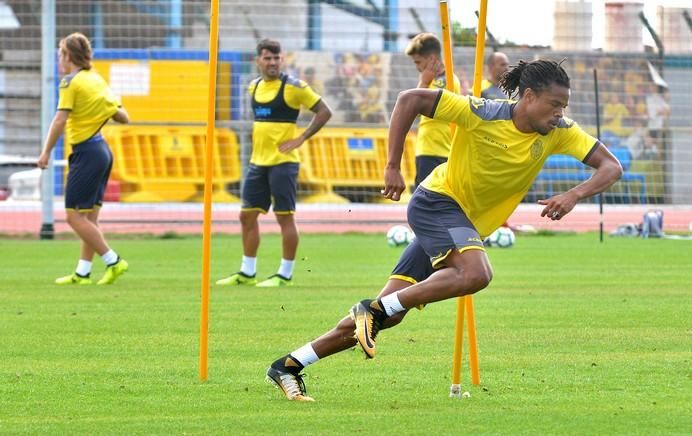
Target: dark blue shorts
440,226
90,166
274,186
414,264
425,165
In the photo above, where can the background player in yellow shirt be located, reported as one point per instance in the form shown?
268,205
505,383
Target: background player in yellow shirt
272,176
498,149
434,137
497,64
85,104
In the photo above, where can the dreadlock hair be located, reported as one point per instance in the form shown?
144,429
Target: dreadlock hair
537,75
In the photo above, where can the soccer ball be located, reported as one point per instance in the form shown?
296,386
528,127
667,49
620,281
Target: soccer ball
502,237
399,235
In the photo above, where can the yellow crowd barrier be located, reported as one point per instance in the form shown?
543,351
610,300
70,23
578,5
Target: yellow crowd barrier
166,163
347,157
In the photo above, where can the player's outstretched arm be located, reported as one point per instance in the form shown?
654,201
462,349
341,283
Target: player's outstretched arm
608,171
409,104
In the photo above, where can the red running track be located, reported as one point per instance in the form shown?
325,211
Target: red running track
25,218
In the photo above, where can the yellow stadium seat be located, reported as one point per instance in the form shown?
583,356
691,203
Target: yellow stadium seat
347,157
166,163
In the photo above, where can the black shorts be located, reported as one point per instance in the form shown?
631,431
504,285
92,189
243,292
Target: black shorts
414,264
425,165
90,166
440,226
275,186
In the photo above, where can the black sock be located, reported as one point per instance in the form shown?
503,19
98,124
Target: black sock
288,363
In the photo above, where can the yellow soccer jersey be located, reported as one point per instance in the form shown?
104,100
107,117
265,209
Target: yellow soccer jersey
434,137
268,134
492,164
90,102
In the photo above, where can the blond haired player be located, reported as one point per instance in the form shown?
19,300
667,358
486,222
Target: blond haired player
434,137
85,104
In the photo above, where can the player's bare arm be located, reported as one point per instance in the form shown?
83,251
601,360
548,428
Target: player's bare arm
57,127
322,114
608,171
409,104
121,116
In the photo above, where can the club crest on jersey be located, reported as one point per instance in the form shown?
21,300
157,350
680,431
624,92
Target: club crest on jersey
537,149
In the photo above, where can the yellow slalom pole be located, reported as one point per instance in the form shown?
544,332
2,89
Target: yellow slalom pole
477,78
473,345
447,50
208,169
480,48
455,388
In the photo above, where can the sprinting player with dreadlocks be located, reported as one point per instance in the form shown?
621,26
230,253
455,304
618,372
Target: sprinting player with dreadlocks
498,149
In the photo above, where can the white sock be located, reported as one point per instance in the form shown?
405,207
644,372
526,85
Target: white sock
248,266
392,304
109,257
83,267
286,268
305,355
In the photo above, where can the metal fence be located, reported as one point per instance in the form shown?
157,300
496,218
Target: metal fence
351,52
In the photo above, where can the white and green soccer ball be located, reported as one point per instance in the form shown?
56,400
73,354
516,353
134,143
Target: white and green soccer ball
398,236
503,237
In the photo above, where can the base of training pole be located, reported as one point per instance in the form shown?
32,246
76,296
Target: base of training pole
455,391
47,231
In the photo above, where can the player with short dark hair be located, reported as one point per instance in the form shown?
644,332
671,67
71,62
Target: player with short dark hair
85,104
434,137
272,177
498,149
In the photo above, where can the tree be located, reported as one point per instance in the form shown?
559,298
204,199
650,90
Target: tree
463,36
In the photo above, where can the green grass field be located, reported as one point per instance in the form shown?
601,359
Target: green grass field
575,337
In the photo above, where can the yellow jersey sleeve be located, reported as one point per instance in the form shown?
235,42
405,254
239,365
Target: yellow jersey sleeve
453,108
300,94
574,141
66,94
251,87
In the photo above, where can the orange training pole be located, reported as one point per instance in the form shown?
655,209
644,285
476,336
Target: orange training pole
447,51
208,168
477,77
455,388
